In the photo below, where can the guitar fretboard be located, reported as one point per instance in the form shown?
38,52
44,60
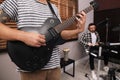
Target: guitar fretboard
70,20
88,9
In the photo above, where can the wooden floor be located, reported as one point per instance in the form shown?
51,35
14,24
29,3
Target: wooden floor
83,67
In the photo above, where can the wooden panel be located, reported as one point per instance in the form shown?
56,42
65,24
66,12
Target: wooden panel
2,44
1,1
67,8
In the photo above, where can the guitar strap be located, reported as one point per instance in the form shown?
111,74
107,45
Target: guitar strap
52,10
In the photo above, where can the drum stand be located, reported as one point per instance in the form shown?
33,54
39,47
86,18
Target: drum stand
99,63
112,75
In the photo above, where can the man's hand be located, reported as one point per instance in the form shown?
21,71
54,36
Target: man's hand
34,39
90,44
96,44
81,19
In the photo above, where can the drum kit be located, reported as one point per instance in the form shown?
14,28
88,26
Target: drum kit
111,73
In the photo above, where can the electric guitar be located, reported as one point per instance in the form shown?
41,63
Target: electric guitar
31,58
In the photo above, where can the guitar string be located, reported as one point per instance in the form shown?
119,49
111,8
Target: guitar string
70,21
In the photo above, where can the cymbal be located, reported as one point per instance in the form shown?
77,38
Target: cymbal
117,28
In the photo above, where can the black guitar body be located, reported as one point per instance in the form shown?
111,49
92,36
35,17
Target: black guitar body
32,58
29,58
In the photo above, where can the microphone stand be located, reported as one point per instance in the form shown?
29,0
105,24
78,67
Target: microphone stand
107,30
99,63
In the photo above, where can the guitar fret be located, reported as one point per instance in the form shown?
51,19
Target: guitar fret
65,24
88,9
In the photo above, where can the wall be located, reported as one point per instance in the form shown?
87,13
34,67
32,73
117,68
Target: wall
7,68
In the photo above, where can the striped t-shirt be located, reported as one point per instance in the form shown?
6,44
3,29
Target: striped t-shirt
31,13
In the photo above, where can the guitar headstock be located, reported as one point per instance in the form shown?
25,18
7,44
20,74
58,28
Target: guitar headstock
94,4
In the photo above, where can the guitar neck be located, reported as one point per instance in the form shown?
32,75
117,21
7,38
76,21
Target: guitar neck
88,9
70,20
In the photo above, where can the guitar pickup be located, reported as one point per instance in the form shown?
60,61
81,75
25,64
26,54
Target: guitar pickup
53,33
